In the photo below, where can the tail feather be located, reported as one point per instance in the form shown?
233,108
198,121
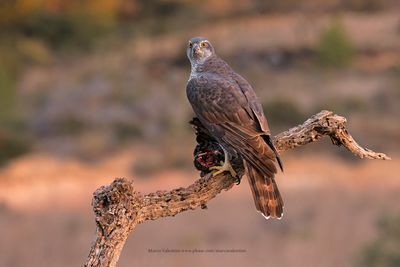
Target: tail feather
267,139
267,199
259,155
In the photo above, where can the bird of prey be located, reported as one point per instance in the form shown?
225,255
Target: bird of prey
228,107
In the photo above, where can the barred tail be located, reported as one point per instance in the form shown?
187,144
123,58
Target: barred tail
266,195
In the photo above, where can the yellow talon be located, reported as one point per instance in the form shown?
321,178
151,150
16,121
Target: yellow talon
225,166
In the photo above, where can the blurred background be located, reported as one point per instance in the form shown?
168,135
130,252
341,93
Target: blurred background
91,90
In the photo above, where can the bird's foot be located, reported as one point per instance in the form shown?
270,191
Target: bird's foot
225,166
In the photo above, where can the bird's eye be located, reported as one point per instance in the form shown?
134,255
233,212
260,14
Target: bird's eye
190,44
203,44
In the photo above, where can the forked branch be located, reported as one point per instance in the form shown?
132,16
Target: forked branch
119,207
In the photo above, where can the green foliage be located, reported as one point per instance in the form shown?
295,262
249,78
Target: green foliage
54,29
365,5
32,37
10,65
13,140
385,250
355,104
395,72
283,112
33,51
334,48
346,106
61,30
11,147
7,93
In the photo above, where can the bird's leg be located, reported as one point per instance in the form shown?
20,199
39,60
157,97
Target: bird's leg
225,166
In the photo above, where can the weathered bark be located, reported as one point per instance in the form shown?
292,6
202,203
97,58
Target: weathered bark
119,207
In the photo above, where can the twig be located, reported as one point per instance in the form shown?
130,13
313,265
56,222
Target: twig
119,207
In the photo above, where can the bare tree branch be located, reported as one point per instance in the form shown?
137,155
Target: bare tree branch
119,207
322,124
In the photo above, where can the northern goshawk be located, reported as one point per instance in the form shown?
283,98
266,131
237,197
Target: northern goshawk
227,106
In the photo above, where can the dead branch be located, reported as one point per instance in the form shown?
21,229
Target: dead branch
119,207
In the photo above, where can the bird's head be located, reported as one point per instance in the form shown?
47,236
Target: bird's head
199,49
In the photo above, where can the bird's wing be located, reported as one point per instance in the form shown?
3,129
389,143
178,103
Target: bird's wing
224,109
253,101
258,112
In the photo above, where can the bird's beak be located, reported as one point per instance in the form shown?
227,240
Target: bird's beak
196,50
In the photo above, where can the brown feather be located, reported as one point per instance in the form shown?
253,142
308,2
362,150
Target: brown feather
261,169
228,107
266,195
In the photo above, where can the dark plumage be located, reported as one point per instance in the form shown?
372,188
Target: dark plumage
227,106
